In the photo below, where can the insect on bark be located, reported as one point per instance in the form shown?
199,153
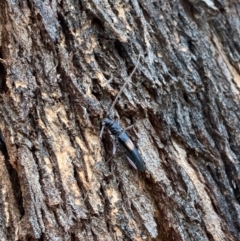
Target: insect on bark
132,152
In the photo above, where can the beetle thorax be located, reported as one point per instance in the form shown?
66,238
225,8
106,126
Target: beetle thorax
113,126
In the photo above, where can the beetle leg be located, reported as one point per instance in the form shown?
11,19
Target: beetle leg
101,132
111,78
114,147
118,119
130,161
129,127
109,159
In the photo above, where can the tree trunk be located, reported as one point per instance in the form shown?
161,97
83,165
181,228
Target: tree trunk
62,65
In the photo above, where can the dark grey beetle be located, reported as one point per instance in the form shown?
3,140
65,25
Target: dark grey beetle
132,153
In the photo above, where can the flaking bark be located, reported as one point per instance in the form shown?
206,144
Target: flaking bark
61,67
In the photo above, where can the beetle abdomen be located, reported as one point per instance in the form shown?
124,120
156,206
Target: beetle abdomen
132,151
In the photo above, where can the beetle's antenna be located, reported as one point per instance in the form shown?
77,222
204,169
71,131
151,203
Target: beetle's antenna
124,85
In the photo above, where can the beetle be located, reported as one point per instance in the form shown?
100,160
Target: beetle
132,153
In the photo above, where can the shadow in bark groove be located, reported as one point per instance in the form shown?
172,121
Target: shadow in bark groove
13,176
3,86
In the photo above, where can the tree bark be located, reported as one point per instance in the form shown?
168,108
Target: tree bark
62,64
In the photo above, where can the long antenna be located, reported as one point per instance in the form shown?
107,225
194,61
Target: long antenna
124,85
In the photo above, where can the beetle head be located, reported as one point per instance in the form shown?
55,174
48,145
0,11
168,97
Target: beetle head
106,122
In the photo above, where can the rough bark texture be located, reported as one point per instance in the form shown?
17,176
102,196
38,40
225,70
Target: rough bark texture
63,63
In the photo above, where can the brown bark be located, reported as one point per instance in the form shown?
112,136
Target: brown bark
62,64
